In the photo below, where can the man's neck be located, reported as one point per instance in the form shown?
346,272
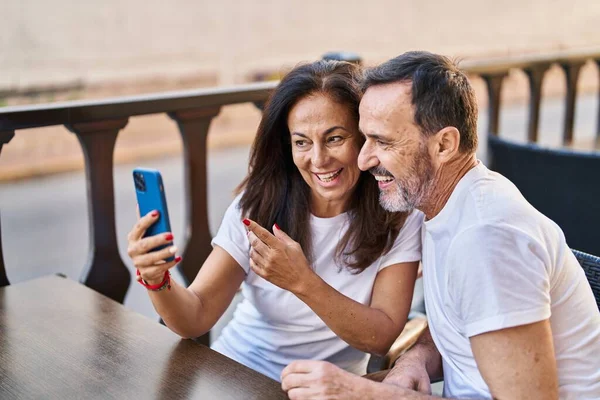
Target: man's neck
444,182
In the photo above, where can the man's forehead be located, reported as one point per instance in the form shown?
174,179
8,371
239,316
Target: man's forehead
388,104
386,97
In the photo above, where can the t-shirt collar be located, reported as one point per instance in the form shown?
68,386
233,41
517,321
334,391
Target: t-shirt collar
445,213
327,222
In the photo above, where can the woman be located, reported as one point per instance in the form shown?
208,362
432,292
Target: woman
336,278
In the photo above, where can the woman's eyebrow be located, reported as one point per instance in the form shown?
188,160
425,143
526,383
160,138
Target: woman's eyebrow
327,132
333,128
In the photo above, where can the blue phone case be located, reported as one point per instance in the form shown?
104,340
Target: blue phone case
151,196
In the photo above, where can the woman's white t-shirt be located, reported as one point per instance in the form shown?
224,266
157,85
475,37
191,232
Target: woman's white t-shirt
271,327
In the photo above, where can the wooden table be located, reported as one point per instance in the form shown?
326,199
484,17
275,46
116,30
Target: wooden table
62,340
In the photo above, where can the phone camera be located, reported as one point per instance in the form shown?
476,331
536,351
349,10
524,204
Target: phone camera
139,181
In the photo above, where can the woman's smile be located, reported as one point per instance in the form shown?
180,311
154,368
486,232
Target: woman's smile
325,151
328,179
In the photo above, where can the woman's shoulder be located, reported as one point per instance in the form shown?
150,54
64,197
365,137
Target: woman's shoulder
412,225
414,218
237,199
407,245
234,209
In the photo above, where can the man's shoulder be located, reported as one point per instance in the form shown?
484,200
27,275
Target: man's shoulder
487,201
496,202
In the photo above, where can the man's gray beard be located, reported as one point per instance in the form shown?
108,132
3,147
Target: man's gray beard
404,198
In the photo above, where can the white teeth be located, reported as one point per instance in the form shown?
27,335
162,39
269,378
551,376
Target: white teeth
330,176
384,178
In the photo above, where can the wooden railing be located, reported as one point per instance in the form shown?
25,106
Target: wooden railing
98,123
535,67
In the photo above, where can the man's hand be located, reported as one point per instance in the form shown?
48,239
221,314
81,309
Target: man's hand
410,373
414,369
321,380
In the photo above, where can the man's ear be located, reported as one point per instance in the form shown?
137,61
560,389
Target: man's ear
448,143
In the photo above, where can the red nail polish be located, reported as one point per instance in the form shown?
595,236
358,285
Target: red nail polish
169,237
246,222
177,259
154,213
277,227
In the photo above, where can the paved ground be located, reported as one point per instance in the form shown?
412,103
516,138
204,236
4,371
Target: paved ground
44,220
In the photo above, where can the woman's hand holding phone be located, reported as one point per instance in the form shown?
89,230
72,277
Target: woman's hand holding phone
150,263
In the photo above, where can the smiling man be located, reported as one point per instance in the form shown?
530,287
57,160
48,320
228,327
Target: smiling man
511,313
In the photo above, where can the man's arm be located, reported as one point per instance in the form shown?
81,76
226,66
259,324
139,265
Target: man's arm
518,363
322,380
515,363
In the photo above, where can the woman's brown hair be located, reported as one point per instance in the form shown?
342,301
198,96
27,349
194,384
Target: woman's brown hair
275,192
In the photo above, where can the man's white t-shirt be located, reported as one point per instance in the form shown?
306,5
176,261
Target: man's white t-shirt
271,327
492,261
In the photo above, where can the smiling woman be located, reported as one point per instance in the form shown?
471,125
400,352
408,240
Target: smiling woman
325,148
326,273
308,132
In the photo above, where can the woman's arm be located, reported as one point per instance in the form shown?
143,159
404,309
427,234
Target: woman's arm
193,311
370,328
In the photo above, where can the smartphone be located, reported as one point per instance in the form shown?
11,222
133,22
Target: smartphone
151,196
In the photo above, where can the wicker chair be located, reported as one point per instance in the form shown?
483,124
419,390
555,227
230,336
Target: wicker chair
560,183
591,266
379,367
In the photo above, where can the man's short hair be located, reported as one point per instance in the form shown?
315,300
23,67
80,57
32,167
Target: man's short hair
441,93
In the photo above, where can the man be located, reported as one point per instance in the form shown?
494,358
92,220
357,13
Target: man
511,313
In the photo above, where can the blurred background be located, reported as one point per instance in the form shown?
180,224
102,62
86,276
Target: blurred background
61,50
69,50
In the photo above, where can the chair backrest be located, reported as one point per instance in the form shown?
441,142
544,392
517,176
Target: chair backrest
591,266
564,185
3,278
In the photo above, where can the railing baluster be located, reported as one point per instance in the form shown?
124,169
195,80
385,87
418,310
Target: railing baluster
5,137
104,271
193,127
571,77
535,74
494,87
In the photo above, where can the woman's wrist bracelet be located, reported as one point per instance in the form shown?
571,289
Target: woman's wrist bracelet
166,282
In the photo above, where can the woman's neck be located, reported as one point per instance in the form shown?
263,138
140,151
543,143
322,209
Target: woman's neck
328,208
